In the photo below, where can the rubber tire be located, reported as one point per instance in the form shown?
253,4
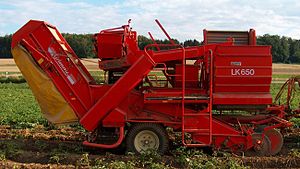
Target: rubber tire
155,128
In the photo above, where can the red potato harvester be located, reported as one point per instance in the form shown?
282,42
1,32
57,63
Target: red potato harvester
216,94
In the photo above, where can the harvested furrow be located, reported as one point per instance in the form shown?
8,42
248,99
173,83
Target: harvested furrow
62,148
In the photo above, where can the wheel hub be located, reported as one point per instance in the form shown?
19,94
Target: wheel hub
146,140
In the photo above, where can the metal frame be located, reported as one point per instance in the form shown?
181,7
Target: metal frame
112,105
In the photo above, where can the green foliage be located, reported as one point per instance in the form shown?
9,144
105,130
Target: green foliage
143,41
2,156
294,51
98,76
12,79
18,106
120,165
196,159
284,49
284,76
116,164
191,43
158,166
84,160
149,157
185,156
295,153
55,159
275,87
296,122
57,155
9,150
82,44
5,42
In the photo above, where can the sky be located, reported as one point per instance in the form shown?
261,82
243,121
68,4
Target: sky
183,19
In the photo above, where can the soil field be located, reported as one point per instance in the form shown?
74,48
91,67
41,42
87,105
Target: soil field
8,65
28,141
286,69
61,148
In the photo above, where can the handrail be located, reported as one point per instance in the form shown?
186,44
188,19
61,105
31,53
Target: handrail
160,45
210,95
183,95
209,107
164,65
210,68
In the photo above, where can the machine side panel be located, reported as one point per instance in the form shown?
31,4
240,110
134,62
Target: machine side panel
240,71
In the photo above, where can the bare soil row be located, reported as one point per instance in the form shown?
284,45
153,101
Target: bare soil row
39,148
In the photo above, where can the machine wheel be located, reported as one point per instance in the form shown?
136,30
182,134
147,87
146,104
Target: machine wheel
147,136
261,147
275,138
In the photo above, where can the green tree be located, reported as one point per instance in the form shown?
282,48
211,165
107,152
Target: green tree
280,47
5,43
143,41
82,44
284,50
294,51
191,43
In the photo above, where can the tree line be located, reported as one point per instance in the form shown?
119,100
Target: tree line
284,49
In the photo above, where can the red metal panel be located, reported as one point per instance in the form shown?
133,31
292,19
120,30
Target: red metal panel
246,98
115,95
220,36
242,70
191,76
110,44
115,119
66,71
252,37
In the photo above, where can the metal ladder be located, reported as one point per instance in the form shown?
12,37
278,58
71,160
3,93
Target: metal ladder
208,112
205,113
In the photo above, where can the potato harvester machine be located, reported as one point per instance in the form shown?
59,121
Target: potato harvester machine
216,94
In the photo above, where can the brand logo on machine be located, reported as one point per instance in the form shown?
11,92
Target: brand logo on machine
61,65
235,63
242,72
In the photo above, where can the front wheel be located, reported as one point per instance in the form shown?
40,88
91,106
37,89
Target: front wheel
142,137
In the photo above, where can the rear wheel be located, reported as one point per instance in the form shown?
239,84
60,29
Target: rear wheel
142,137
261,146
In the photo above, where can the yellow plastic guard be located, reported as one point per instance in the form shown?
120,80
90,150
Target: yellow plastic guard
54,107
